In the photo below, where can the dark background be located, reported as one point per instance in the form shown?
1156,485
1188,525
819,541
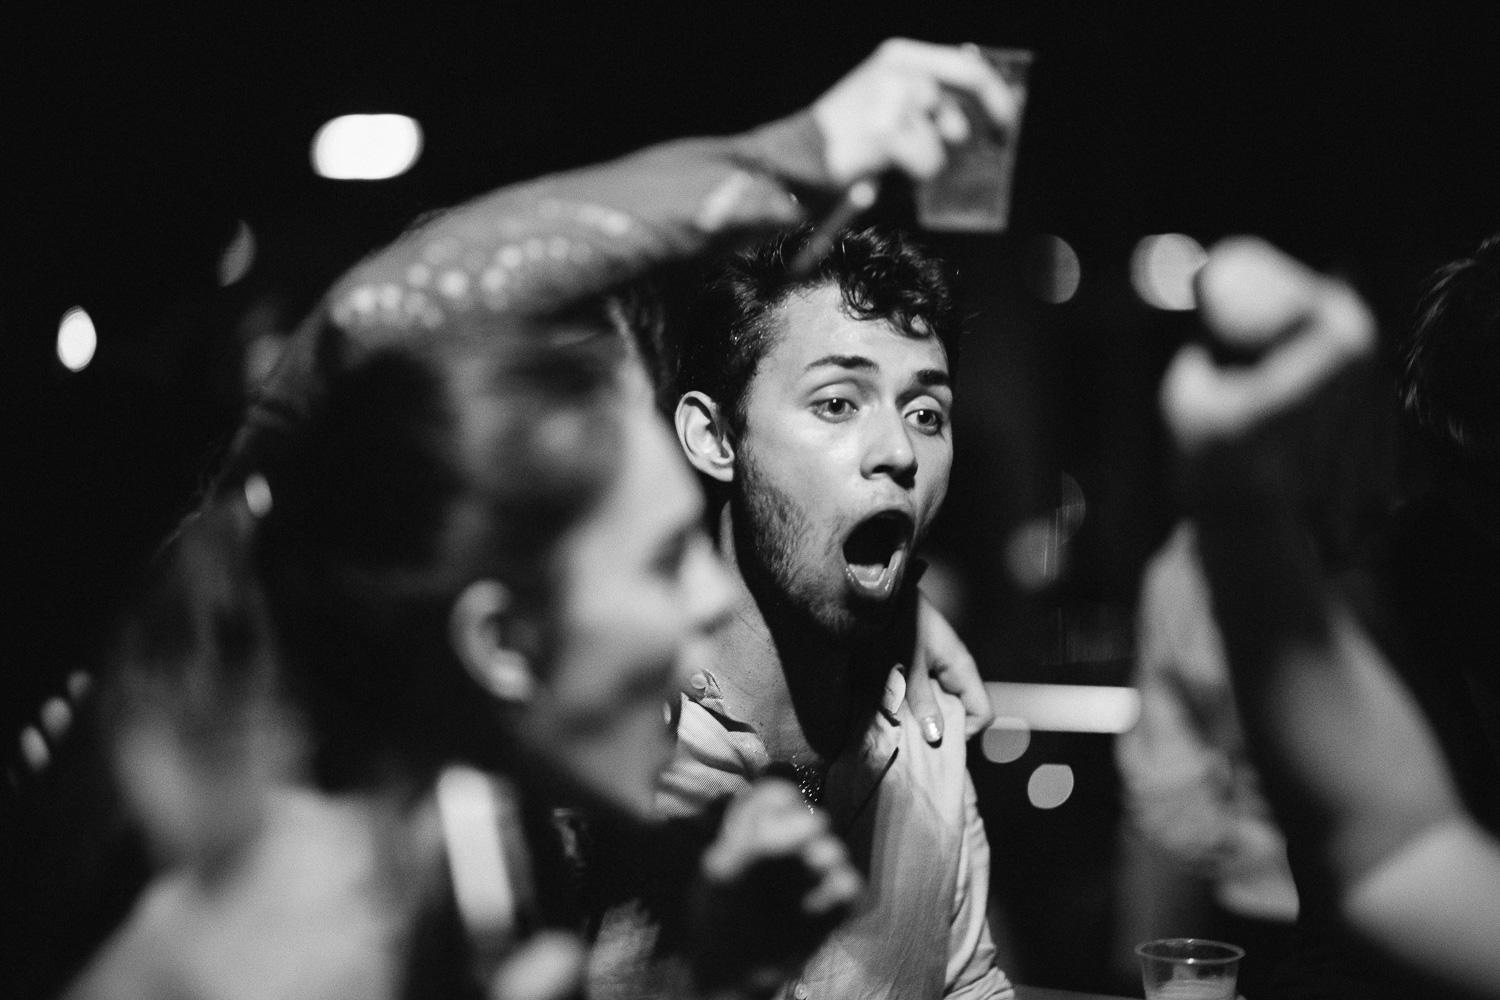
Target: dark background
1360,137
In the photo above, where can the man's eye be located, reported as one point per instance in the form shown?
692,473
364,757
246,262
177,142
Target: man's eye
930,421
836,408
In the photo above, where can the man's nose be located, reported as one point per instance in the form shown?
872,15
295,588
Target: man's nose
888,451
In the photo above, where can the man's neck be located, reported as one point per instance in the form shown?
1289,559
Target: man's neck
791,683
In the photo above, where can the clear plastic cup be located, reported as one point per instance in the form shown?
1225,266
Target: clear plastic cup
972,194
1189,969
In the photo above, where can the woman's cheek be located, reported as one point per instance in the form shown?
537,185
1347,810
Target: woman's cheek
623,763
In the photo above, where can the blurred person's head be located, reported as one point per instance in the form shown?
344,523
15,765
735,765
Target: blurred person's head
198,726
1450,365
819,409
482,546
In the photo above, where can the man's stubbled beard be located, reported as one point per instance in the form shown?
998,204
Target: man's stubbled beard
771,535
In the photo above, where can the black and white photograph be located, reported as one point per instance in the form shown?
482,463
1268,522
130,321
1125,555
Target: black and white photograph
823,501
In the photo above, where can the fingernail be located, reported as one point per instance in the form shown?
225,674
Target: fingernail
699,681
931,731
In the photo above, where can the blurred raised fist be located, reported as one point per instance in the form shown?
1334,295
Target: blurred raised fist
774,883
1289,330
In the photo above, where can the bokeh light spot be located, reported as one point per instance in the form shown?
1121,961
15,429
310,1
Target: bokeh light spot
76,339
1050,785
366,147
34,749
79,683
56,717
257,494
1053,270
261,357
1035,553
238,255
1071,506
1006,740
1162,269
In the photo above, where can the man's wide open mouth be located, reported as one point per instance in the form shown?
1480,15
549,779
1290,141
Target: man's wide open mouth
875,554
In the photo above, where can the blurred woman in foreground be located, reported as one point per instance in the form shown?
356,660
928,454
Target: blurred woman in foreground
454,533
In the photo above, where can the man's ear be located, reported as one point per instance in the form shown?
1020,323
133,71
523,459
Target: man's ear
477,628
704,436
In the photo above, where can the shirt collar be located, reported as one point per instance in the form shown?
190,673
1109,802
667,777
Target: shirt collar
717,753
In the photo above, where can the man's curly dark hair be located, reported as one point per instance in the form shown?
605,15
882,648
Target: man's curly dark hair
881,274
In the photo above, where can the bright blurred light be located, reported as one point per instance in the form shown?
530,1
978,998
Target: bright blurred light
79,683
76,339
1067,708
1071,506
257,494
56,717
1036,553
366,147
1053,270
261,357
1162,269
1050,785
1006,740
34,749
235,262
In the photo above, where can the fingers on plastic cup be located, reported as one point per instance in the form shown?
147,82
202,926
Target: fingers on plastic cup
972,194
1189,969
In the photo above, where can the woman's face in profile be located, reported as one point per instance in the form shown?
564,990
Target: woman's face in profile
640,584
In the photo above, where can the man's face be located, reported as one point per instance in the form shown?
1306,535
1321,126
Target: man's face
844,460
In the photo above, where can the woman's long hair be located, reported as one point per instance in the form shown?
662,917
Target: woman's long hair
336,542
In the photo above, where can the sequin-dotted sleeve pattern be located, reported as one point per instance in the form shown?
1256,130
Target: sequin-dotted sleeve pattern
536,248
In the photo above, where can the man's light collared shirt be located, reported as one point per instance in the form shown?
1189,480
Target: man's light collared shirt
907,812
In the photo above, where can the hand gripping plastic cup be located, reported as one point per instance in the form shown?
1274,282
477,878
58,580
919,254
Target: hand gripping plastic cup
972,194
1189,969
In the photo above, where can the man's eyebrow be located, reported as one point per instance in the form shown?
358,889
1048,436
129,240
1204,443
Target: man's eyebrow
854,362
930,377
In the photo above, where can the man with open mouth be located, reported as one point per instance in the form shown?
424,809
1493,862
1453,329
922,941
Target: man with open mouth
816,404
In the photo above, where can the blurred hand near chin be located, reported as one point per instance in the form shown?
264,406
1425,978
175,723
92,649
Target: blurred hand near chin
550,966
773,884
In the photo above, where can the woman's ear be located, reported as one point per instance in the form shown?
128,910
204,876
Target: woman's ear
477,627
704,436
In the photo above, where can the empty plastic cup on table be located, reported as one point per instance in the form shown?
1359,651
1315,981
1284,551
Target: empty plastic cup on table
1189,969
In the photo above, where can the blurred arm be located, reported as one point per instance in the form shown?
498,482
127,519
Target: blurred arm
538,251
1346,754
1175,780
